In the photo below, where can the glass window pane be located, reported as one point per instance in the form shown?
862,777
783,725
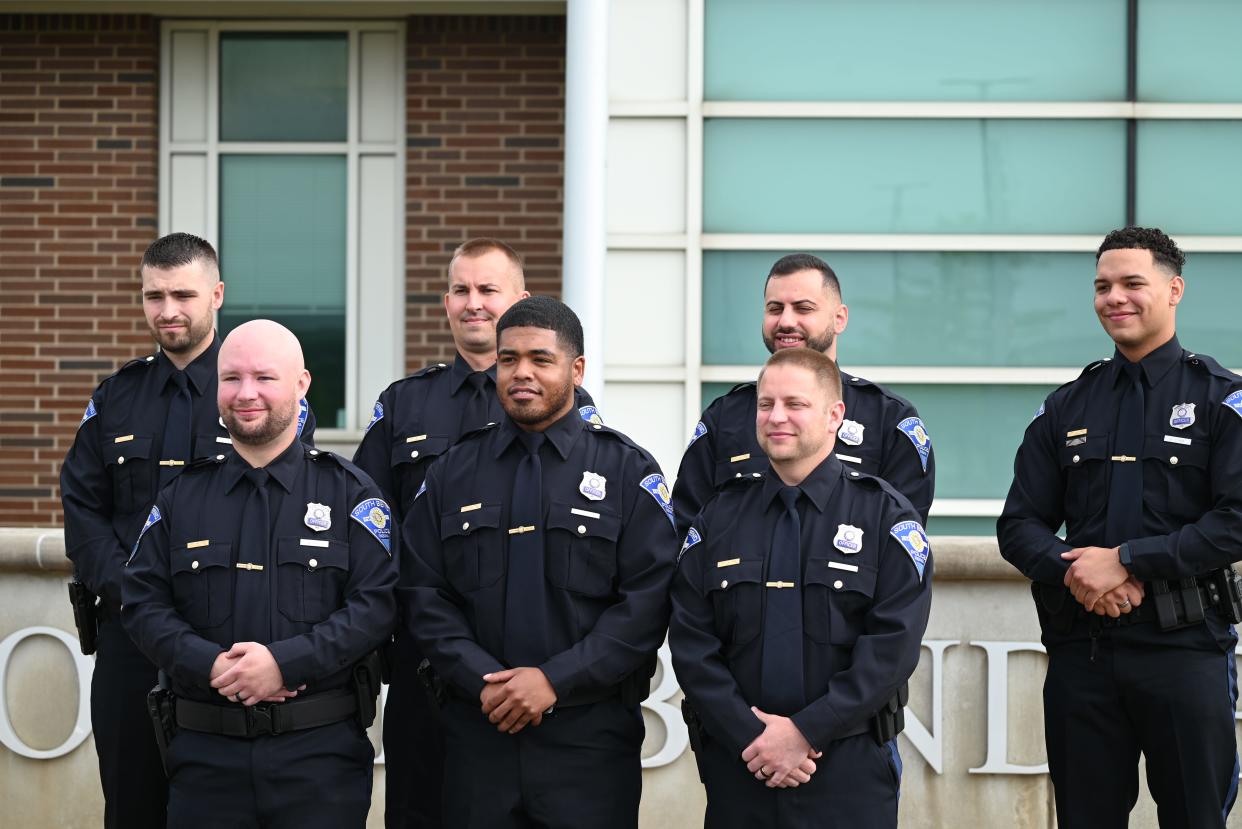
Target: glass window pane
283,87
914,50
913,176
1189,177
282,251
960,525
1188,51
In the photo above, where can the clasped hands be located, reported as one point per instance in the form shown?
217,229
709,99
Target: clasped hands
248,673
515,698
1100,583
780,756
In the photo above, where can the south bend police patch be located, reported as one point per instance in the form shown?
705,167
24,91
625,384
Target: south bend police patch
699,430
303,412
374,514
591,415
1039,411
911,536
152,519
90,412
654,484
376,416
692,538
1234,401
914,429
421,489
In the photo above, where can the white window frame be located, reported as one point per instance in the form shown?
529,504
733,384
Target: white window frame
189,166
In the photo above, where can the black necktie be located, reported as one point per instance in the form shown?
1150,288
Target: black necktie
526,629
176,430
474,413
783,688
1125,485
251,599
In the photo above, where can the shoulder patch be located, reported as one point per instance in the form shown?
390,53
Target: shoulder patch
692,538
911,536
655,485
152,519
421,489
1234,401
376,416
374,514
90,412
591,415
699,430
303,413
1040,410
914,429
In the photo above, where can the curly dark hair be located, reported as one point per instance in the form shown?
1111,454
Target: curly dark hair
1164,251
545,312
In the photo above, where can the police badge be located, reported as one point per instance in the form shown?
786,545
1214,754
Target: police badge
848,539
851,432
318,517
1183,415
593,486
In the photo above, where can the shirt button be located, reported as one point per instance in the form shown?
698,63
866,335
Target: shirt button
414,454
755,475
1077,459
314,562
193,565
465,525
724,583
581,529
596,426
738,475
1173,460
838,584
219,457
120,459
853,474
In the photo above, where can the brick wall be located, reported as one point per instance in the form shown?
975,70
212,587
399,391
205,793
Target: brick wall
78,197
485,113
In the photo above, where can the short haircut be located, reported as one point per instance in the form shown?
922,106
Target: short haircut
179,249
1164,251
486,244
795,262
545,312
827,375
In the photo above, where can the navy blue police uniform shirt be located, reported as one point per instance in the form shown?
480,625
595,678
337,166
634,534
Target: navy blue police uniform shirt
417,418
866,594
112,473
882,435
327,576
608,558
1192,454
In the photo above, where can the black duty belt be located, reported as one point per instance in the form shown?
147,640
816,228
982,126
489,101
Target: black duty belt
1174,595
266,718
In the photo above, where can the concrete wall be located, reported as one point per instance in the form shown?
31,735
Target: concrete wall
973,746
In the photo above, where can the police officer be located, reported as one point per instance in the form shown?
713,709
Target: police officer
799,604
415,420
882,433
1139,459
259,583
536,579
141,427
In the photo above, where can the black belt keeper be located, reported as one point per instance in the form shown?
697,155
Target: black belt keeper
266,718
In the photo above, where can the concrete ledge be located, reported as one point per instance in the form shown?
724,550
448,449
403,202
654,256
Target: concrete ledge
957,557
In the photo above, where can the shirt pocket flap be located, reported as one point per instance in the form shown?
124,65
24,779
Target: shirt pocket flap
313,553
195,559
842,575
1095,449
730,576
426,447
593,523
1176,454
130,446
468,519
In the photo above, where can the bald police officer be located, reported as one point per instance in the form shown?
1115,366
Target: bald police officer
142,426
535,576
259,584
1139,459
799,604
881,434
416,419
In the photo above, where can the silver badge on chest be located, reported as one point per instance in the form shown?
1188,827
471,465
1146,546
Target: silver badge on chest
1183,415
851,432
318,517
848,539
593,486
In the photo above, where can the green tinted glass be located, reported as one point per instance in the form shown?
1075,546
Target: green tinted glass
913,50
913,176
1189,176
282,252
960,525
283,87
1188,50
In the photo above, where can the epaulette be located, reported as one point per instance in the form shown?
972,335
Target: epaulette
876,483
474,433
321,455
741,481
1210,365
138,361
1093,366
430,370
740,386
206,462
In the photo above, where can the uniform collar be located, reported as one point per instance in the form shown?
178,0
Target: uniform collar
462,370
284,468
1155,365
562,434
200,372
819,486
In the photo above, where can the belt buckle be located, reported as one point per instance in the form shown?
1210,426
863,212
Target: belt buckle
260,720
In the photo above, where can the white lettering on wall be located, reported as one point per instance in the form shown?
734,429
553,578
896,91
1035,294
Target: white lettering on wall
931,745
81,726
676,737
997,758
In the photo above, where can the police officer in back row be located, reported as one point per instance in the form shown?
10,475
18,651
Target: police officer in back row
259,584
882,433
535,576
1139,458
799,604
416,419
142,426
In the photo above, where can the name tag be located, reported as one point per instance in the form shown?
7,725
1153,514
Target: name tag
1177,440
225,440
849,458
586,513
123,439
415,438
472,507
312,542
194,545
1076,433
840,565
728,562
737,458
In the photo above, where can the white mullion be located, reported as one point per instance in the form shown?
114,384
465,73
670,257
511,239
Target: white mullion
352,183
164,219
213,134
919,109
929,375
1007,243
398,150
651,241
693,404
